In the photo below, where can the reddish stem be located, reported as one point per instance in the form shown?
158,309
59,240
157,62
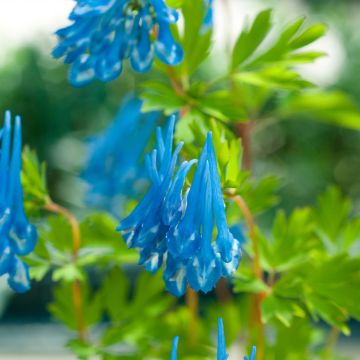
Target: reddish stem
76,286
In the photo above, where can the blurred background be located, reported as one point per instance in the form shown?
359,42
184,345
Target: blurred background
307,156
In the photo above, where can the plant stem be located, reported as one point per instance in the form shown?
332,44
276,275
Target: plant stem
192,302
76,286
244,132
330,343
258,272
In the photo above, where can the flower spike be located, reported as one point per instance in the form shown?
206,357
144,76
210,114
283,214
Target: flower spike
174,226
17,236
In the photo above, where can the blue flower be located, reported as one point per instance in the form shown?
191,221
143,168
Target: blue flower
114,170
221,347
105,32
176,226
17,236
221,350
174,348
193,257
146,227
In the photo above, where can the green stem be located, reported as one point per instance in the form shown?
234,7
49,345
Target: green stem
76,286
331,342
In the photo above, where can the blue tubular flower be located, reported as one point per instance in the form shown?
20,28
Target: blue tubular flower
193,257
146,227
174,348
168,224
227,246
252,355
17,236
204,269
221,350
105,32
113,169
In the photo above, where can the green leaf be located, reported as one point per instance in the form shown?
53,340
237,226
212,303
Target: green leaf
259,194
281,309
273,78
247,282
332,107
63,309
161,96
115,291
68,273
292,241
308,36
38,272
277,51
82,348
33,178
334,226
196,43
250,38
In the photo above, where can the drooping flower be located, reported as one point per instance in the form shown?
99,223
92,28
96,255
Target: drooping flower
106,32
221,347
193,257
176,226
146,227
17,236
114,170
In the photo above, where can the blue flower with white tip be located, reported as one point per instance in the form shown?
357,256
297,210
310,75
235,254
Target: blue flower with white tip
17,236
114,170
106,32
146,227
194,259
221,347
176,225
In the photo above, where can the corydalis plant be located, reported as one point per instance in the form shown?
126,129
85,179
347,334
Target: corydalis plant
17,236
112,172
174,227
106,32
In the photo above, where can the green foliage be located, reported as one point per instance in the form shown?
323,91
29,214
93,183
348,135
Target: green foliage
273,66
100,246
337,228
251,37
332,107
33,181
196,44
309,256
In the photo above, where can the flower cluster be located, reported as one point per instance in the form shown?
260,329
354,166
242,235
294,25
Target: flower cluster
221,350
177,228
17,236
105,32
112,171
